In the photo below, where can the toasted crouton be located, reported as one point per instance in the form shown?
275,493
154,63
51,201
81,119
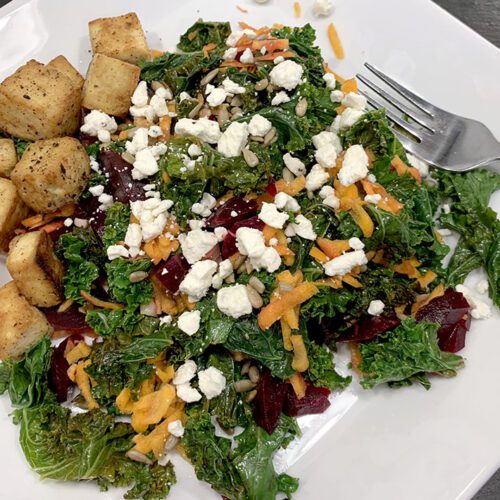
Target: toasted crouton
12,212
22,326
8,157
39,102
51,173
120,37
61,64
35,269
109,85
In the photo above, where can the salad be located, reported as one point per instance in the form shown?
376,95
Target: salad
193,235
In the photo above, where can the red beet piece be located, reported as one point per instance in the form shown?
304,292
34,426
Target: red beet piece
214,254
452,312
269,401
271,188
229,244
314,401
88,209
86,139
121,185
368,328
240,208
71,321
58,379
172,272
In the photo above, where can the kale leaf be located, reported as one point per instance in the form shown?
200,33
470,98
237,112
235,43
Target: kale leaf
202,33
116,224
322,371
410,349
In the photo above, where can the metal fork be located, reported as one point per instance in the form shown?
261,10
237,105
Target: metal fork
434,135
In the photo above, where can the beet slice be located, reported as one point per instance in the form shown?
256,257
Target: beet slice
88,209
238,207
172,272
369,327
452,312
71,321
271,188
229,244
121,184
268,402
86,139
58,379
214,254
314,401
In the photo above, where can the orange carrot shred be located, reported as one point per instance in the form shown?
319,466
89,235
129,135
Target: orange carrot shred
297,9
335,42
241,9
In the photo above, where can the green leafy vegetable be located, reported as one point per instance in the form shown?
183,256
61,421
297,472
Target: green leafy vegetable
408,350
116,224
202,33
322,371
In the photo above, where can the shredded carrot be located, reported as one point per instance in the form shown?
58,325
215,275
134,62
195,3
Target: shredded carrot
100,303
273,55
300,361
318,255
207,48
327,69
355,357
334,282
297,9
77,374
293,187
427,278
292,318
241,9
41,219
333,248
349,86
80,351
246,26
151,408
363,220
286,332
351,280
154,53
437,292
298,384
401,169
408,267
124,401
333,36
387,202
271,45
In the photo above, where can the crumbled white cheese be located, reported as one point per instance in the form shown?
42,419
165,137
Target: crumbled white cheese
143,111
166,320
371,178
280,98
189,322
356,243
216,97
211,381
327,193
250,242
233,301
194,150
232,88
140,96
235,36
220,233
145,164
479,308
196,224
286,202
326,156
336,95
205,129
421,166
149,309
327,138
176,428
270,214
96,190
196,244
330,81
198,280
482,286
97,120
347,119
376,308
303,228
183,96
286,74
84,223
278,59
139,141
322,8
225,268
316,178
159,105
155,131
185,372
230,54
152,216
345,263
259,126
104,136
295,165
187,393
204,206
247,57
68,222
354,165
133,239
164,93
106,201
446,208
354,101
116,251
233,139
373,198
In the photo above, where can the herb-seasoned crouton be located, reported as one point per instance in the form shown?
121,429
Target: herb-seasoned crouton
39,102
109,85
35,268
8,157
12,212
22,326
66,68
51,173
120,37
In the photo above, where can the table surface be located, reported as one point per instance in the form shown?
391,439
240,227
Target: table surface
484,17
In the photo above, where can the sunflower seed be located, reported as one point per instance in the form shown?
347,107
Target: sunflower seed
236,101
250,157
230,279
256,139
238,261
269,136
128,157
287,175
254,374
131,132
242,269
246,366
238,356
270,88
194,112
261,84
254,297
248,266
209,76
223,116
205,112
244,385
237,115
155,85
137,276
251,396
301,108
138,457
255,282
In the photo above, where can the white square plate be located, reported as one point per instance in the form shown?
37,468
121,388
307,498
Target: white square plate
379,445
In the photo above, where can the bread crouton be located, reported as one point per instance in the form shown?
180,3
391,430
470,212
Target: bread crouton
12,212
61,64
120,37
22,326
35,268
51,173
8,157
39,102
109,85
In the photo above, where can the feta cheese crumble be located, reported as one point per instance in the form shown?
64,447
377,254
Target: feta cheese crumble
96,121
189,322
326,156
421,166
259,126
216,97
347,119
354,101
152,215
116,251
196,244
233,301
187,393
211,382
205,129
233,140
176,428
185,372
247,57
198,280
376,308
250,242
232,88
322,8
327,193
303,228
345,263
270,214
286,74
316,178
284,201
373,198
354,166
280,98
330,81
327,138
356,244
479,308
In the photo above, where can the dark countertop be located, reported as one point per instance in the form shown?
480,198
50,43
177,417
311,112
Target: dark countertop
484,17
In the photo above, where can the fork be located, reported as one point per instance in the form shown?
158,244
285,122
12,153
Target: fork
440,138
